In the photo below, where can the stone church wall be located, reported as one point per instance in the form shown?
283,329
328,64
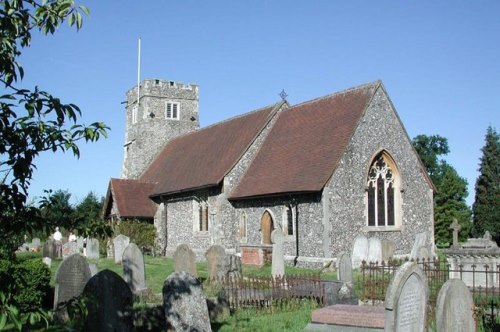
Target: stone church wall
378,130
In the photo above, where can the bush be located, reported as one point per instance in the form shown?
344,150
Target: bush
31,284
141,233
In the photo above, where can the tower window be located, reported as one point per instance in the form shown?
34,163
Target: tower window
134,115
172,111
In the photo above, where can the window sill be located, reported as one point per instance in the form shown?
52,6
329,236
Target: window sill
382,229
202,234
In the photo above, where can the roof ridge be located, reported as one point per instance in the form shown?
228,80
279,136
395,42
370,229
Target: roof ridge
362,86
135,180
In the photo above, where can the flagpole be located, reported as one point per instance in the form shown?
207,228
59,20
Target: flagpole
138,71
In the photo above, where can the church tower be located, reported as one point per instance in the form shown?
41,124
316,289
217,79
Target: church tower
160,111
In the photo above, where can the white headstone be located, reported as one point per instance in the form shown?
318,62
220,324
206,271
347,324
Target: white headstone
374,250
359,251
47,261
133,268
68,249
344,268
92,251
278,262
120,243
455,308
420,241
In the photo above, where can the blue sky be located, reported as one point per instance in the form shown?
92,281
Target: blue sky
439,61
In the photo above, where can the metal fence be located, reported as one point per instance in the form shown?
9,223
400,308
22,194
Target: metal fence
266,292
482,280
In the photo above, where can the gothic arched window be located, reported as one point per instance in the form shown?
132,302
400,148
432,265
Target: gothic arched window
243,227
382,193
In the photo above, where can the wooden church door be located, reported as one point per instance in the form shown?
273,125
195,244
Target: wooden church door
266,227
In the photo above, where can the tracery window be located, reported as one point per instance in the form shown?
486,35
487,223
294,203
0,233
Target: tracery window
381,192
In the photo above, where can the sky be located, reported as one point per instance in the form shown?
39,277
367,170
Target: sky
438,60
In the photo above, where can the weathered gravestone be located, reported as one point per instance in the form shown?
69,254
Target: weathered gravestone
185,260
79,243
68,249
359,251
110,305
374,250
49,249
455,308
420,241
406,299
119,244
92,248
184,303
344,268
222,265
278,262
36,243
110,250
71,277
133,268
93,269
388,248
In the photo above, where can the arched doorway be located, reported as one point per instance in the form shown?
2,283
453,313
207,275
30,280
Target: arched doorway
266,227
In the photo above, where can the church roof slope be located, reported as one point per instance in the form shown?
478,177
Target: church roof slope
305,144
131,198
202,158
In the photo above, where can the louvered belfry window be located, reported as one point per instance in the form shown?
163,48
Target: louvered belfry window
172,111
380,192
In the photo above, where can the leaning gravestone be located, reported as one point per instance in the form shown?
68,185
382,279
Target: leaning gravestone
185,260
110,304
359,251
68,249
216,256
406,299
120,243
184,303
92,248
344,268
420,241
133,268
71,277
455,308
278,262
374,250
49,249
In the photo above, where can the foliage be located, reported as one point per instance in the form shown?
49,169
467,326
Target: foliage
141,233
486,205
32,121
56,208
31,284
451,189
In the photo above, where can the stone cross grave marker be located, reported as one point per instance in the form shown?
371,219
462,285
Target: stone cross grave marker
110,307
359,251
278,262
455,308
133,268
92,248
185,260
374,250
455,226
344,268
406,299
216,256
185,305
68,249
71,277
119,244
49,249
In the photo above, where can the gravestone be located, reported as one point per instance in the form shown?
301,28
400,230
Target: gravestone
184,303
388,248
359,251
110,307
344,268
92,248
455,226
79,243
71,277
49,249
406,299
93,269
278,262
36,243
423,254
374,250
110,250
420,241
216,256
455,307
185,260
133,268
47,261
68,249
119,244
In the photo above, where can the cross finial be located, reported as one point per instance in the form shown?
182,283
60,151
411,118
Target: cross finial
455,226
283,94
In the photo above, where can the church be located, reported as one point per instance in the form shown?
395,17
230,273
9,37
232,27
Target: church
323,172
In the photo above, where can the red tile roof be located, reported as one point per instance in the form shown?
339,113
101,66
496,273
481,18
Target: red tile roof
305,144
131,198
202,158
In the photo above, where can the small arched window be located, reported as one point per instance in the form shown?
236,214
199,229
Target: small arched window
243,227
383,192
203,219
288,220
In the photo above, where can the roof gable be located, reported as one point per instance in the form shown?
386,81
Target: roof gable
304,146
202,158
131,198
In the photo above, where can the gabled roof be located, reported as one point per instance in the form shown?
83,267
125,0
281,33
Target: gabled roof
131,198
305,144
202,158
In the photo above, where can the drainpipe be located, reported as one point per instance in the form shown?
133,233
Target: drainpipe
296,205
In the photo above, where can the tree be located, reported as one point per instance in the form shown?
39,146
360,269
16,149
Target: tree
57,209
451,189
486,205
31,121
87,216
